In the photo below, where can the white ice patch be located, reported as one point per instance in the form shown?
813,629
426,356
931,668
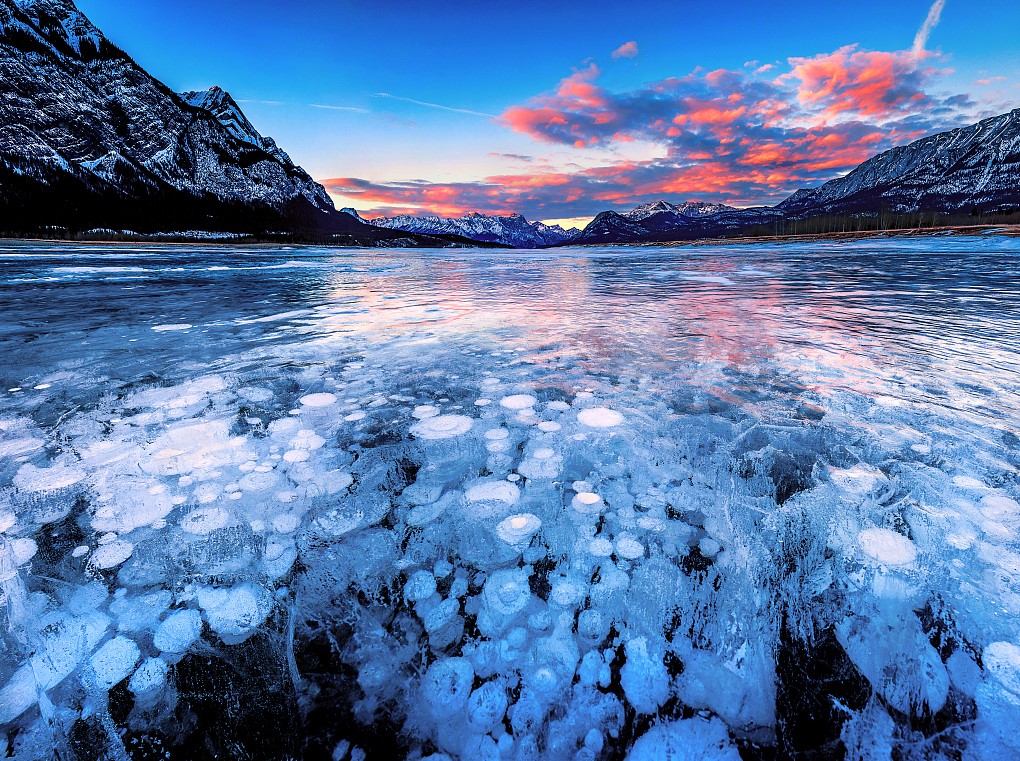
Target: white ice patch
442,427
318,400
887,547
600,417
518,402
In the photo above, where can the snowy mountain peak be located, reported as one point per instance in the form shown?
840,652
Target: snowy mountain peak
511,229
218,102
354,213
687,209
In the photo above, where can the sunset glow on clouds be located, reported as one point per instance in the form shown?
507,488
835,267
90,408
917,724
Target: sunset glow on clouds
744,136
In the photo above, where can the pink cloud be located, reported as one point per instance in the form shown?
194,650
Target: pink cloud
626,50
741,137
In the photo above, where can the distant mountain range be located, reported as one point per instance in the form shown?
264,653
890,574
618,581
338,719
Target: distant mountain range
974,168
512,230
88,139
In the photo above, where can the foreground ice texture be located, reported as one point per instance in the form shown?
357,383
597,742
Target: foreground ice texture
357,527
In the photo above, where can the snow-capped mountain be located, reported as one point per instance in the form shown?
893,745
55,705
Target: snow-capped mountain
86,135
512,230
664,221
693,209
971,167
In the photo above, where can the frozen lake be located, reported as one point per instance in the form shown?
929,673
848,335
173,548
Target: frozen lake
705,503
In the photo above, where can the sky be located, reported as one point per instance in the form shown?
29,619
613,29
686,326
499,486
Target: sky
560,110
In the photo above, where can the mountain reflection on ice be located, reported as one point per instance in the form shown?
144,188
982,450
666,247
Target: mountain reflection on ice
710,503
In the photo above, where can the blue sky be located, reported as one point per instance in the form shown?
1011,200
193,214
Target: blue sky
282,60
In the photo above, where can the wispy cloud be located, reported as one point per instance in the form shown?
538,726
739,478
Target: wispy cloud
932,21
262,102
439,106
626,50
350,109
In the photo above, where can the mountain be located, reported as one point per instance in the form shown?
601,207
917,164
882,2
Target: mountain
512,230
662,221
689,209
88,139
975,167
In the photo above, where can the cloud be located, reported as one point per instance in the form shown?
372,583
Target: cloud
439,106
743,137
626,50
989,81
932,21
262,102
351,109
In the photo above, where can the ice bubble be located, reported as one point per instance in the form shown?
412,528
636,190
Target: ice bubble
111,555
80,551
438,616
649,523
685,740
580,486
482,402
336,481
442,569
180,629
507,592
286,523
233,613
112,663
150,677
587,502
592,626
493,491
968,482
629,548
548,426
318,400
544,453
447,687
7,520
442,427
709,547
355,417
296,455
1002,661
518,402
518,529
425,411
565,593
887,546
308,440
38,480
205,520
600,547
497,434
172,327
487,706
23,550
558,406
421,586
600,417
644,679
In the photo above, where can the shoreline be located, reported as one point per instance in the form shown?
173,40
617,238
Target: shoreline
848,237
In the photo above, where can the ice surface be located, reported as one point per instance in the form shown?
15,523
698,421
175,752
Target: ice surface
777,513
